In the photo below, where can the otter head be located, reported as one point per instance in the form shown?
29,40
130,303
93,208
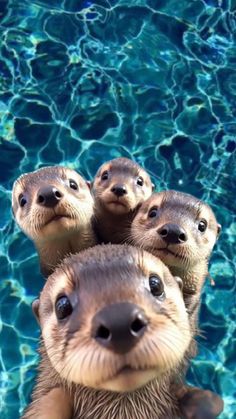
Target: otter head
120,185
113,318
178,228
51,203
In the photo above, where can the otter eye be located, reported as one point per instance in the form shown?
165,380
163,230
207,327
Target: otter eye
104,175
156,286
73,184
202,226
152,212
63,307
22,201
140,181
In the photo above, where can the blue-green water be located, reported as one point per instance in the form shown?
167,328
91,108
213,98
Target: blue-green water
82,82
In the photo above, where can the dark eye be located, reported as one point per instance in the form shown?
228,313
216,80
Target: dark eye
202,226
104,175
156,286
152,212
73,184
22,201
63,307
140,181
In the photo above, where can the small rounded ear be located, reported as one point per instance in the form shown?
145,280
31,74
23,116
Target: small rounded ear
219,228
89,184
35,308
179,282
153,186
137,207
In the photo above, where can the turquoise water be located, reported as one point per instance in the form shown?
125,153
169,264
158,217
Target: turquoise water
82,82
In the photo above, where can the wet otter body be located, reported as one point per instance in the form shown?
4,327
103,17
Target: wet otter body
181,230
120,185
54,207
114,333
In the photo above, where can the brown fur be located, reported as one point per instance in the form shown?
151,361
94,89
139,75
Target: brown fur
54,239
113,215
74,362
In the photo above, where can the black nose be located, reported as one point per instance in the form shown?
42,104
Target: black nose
49,196
119,327
172,233
119,190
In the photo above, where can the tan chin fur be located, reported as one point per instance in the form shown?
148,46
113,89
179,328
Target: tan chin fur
129,381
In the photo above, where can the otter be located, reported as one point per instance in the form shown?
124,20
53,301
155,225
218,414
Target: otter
119,187
114,335
181,230
54,208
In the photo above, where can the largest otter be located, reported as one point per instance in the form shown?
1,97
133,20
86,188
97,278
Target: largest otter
54,208
119,187
114,334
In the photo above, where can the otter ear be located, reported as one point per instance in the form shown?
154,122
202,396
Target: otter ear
153,186
35,308
179,282
89,184
219,228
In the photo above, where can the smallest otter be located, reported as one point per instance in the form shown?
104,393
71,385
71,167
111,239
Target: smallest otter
119,187
54,208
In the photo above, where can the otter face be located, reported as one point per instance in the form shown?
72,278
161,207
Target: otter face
120,185
113,318
178,228
51,202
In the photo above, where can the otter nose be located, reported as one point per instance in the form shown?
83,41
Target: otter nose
172,233
119,190
119,327
49,196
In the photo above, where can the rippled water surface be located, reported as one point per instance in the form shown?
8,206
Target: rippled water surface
82,82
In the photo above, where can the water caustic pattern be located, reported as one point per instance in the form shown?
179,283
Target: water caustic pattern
82,82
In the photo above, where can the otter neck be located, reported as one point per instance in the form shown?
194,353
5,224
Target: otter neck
153,401
193,280
193,277
52,252
112,228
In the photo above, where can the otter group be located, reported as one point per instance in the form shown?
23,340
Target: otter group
125,267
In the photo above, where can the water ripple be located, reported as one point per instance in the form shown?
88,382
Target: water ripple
83,82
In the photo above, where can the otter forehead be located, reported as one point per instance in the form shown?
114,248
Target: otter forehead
178,202
122,166
45,174
105,267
